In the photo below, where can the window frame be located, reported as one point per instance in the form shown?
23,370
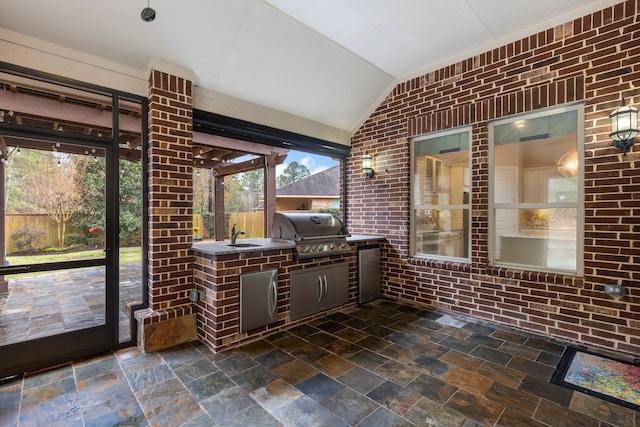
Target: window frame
578,205
413,207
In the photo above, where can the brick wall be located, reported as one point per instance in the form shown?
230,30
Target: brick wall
594,60
219,279
170,214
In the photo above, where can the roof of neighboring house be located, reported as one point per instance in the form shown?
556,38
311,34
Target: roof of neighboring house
321,184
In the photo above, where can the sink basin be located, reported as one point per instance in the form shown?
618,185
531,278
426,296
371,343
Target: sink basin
243,245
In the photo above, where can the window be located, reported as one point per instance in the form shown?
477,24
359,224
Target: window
304,182
441,195
536,191
308,174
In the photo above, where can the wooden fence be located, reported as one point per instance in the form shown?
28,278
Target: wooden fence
15,222
251,222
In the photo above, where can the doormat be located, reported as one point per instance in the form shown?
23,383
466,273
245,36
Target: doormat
608,379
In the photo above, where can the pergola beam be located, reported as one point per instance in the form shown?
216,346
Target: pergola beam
60,111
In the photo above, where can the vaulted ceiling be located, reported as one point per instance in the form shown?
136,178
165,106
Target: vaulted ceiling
328,61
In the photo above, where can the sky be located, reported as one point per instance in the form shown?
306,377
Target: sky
313,162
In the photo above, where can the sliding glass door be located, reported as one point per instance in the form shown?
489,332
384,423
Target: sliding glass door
54,277
71,221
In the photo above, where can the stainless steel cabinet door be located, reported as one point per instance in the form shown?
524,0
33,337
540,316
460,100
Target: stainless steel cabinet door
307,293
258,299
318,288
337,286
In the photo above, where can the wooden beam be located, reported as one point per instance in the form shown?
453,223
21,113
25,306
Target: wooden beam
66,112
218,182
235,144
246,166
62,92
270,190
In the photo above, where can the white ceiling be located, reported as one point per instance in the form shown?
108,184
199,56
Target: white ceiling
330,61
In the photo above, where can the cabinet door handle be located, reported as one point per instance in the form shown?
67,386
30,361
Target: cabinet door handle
273,302
326,288
320,289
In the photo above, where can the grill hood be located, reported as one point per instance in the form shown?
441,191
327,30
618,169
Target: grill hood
307,226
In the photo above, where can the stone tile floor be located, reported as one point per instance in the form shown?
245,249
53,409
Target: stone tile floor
382,364
46,304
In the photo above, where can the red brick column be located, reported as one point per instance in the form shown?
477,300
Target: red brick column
170,318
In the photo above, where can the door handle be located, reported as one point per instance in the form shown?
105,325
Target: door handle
273,301
326,289
320,289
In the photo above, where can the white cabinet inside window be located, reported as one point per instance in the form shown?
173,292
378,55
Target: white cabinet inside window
428,181
536,183
450,244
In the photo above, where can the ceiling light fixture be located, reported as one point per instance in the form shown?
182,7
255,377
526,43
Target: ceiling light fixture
624,126
148,14
568,164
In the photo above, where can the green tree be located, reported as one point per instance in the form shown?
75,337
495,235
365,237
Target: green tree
292,173
57,189
253,183
92,214
202,193
21,165
131,203
232,193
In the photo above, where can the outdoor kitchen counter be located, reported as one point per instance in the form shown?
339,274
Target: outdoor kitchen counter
223,247
217,272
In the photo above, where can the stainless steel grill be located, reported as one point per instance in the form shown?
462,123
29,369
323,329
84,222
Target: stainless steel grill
315,234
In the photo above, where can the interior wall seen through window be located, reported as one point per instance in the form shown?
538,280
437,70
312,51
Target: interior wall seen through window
536,199
441,195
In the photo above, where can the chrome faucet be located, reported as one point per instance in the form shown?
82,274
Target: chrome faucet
234,234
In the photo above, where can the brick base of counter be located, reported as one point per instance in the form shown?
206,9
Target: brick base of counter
218,277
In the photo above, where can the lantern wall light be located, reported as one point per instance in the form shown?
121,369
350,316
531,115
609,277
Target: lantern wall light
624,126
367,165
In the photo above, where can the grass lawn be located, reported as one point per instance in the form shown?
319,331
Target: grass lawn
127,256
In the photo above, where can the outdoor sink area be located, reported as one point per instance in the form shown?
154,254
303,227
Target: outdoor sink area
219,247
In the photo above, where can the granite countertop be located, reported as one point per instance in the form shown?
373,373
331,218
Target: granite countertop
223,247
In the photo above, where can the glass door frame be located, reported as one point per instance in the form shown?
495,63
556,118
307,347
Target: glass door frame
28,355
63,347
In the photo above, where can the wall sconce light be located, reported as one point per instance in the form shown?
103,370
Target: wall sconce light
624,126
367,165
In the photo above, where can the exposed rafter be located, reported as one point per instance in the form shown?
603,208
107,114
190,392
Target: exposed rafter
44,105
